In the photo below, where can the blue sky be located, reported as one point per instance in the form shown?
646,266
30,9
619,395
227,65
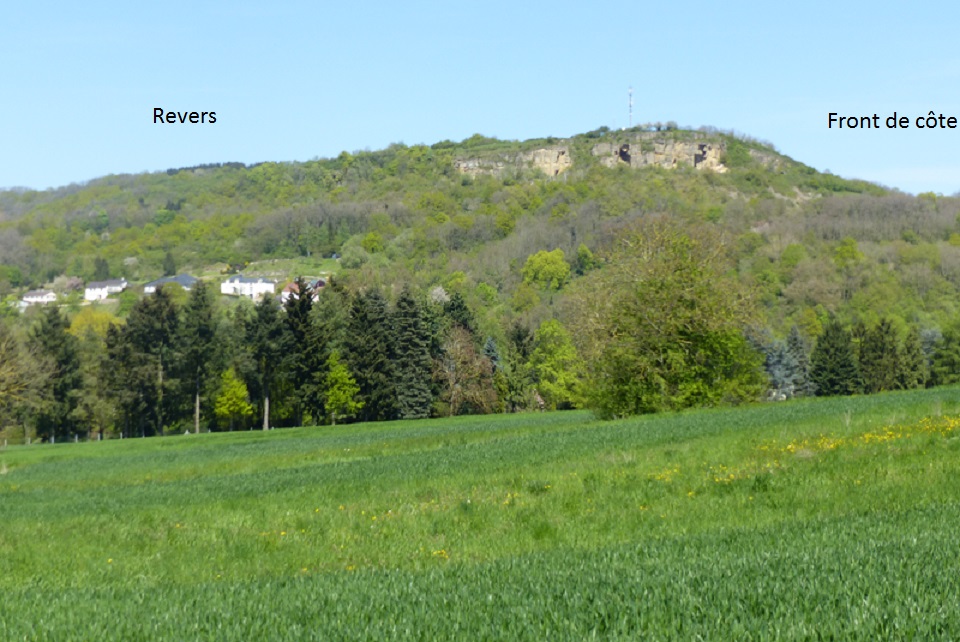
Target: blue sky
298,80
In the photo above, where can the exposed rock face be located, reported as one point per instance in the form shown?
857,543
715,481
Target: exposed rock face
645,149
552,161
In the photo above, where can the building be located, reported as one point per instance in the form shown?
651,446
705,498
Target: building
39,297
100,290
183,280
253,288
290,290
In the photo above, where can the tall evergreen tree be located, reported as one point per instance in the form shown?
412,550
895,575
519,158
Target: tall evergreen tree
169,265
880,358
101,269
800,351
56,419
458,313
413,363
153,332
781,368
266,345
197,344
304,361
370,353
833,367
913,363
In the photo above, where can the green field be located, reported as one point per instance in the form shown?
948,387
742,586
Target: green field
829,518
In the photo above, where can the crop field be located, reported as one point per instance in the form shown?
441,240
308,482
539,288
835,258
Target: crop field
830,518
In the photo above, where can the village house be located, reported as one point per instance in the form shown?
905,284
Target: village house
100,290
39,297
290,290
253,288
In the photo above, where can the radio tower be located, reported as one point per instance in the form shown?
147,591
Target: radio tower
630,107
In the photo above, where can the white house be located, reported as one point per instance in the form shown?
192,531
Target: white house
39,297
99,290
254,288
183,280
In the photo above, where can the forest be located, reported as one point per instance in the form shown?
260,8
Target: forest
620,288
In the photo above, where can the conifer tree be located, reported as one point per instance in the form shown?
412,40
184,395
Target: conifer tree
265,344
413,362
880,358
803,385
833,368
305,358
56,419
197,344
370,354
152,331
913,363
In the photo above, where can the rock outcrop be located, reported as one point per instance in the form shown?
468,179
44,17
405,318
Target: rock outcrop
552,161
650,148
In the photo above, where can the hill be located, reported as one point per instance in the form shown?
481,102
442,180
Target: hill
813,518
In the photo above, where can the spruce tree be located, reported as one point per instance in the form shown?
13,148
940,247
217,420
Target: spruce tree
370,354
197,344
797,346
56,417
265,335
833,368
304,361
880,358
913,363
152,330
413,363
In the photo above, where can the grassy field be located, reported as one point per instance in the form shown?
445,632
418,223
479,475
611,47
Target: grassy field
834,518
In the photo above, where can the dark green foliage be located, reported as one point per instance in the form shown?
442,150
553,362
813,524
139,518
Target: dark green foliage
833,368
56,416
945,366
413,362
800,352
458,313
879,362
169,265
266,345
913,363
152,331
198,330
305,358
101,269
371,356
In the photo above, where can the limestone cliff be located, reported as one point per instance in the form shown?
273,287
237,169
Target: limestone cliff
653,148
552,161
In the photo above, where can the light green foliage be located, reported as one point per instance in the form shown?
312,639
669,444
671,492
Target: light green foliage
341,390
847,253
557,366
547,270
372,243
232,405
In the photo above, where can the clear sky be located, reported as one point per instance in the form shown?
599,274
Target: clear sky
294,80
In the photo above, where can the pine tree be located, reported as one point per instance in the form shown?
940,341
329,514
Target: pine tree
803,385
913,363
152,331
101,269
266,345
412,356
880,358
169,265
370,354
56,419
832,365
304,359
197,344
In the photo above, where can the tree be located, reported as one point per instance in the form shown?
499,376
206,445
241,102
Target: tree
466,376
370,354
152,333
169,265
265,346
660,326
557,366
232,403
413,362
197,344
24,374
833,367
341,390
799,351
547,270
880,358
913,363
305,355
56,419
101,269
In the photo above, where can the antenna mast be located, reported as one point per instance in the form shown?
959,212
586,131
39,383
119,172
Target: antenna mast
630,106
